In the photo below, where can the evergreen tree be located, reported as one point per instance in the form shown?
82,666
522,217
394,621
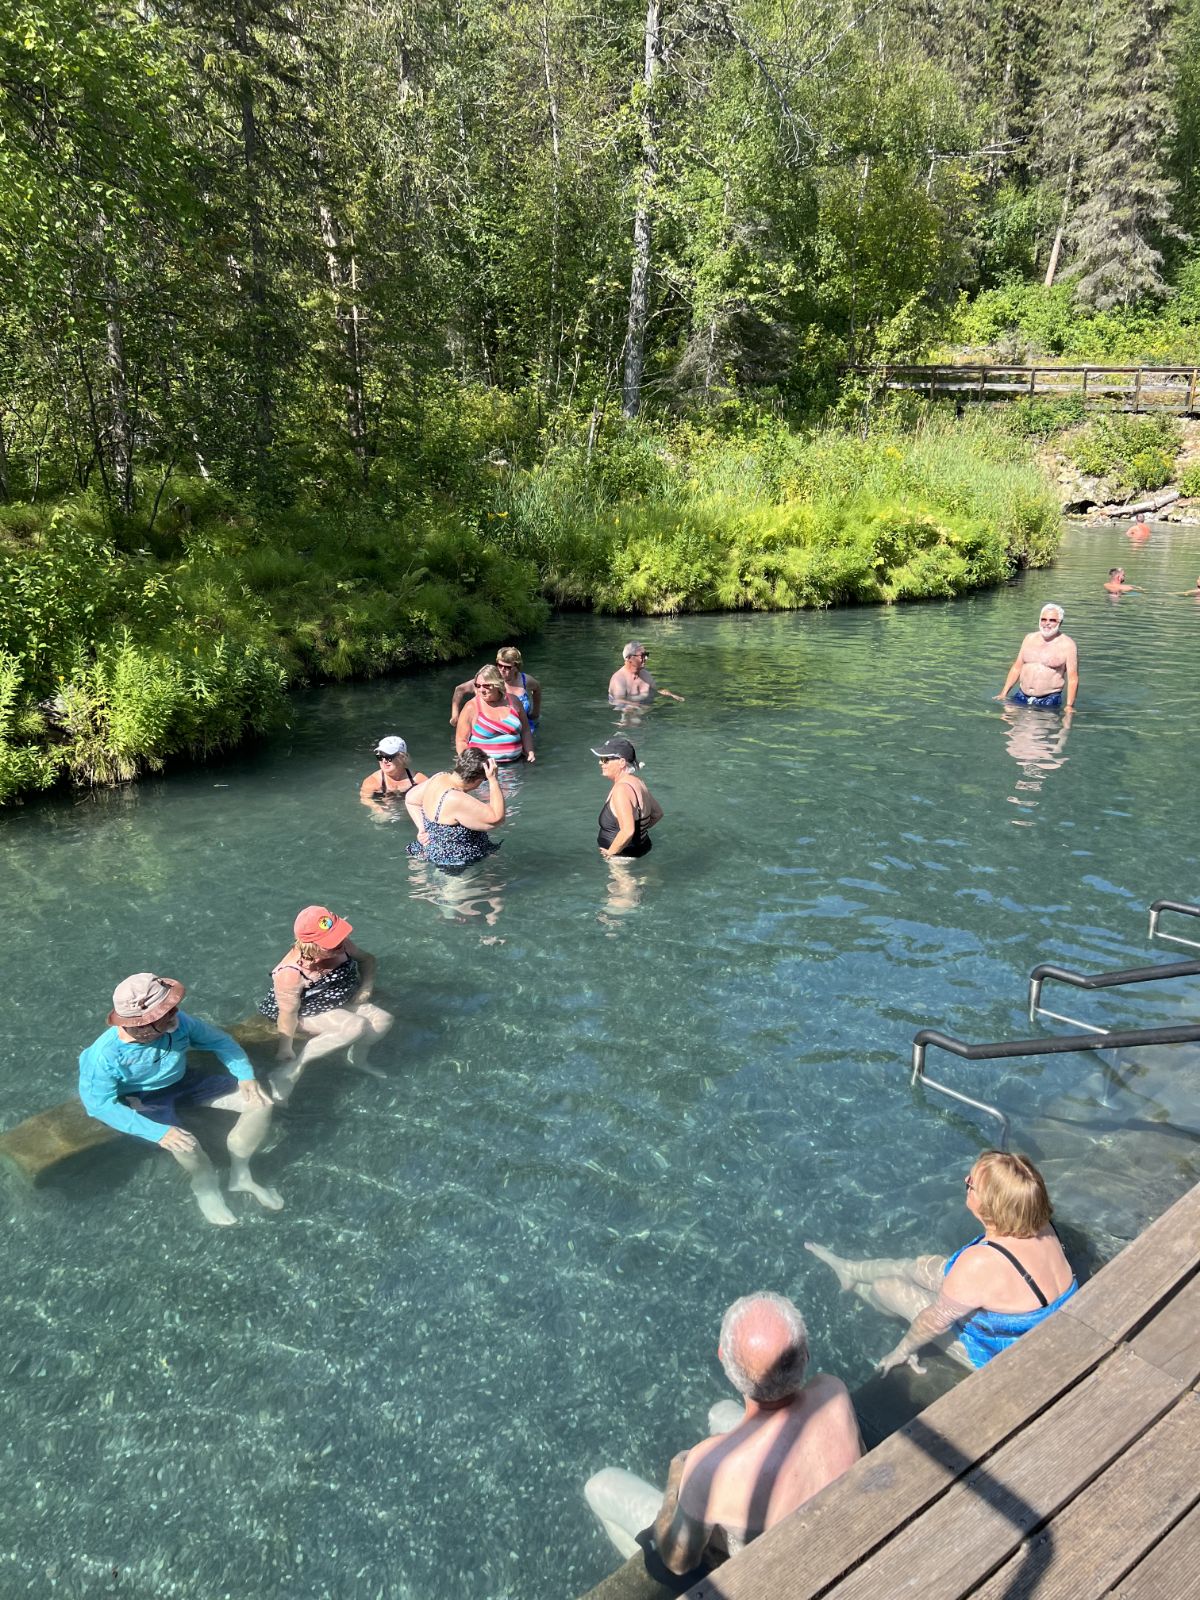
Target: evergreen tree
1125,184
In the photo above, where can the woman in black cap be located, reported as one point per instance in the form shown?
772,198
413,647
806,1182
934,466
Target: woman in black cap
630,810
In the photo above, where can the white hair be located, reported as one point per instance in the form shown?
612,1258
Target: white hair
786,1375
1052,607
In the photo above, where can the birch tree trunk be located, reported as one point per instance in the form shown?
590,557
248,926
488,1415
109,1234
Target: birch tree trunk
120,422
347,313
639,287
1056,247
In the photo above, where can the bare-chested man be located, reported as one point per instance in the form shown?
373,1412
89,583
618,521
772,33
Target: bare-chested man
1139,532
1047,666
1116,583
632,681
786,1442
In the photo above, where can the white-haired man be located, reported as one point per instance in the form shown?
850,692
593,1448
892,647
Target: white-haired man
1047,666
631,681
787,1441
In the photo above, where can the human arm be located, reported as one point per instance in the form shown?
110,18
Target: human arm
535,696
526,732
289,996
369,792
669,693
462,691
1072,664
960,1292
99,1082
366,967
413,799
1014,672
679,1536
462,733
480,814
653,811
617,689
621,804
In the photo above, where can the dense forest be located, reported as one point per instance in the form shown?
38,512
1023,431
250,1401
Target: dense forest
415,286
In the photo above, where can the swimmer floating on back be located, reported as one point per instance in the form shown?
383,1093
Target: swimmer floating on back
1047,665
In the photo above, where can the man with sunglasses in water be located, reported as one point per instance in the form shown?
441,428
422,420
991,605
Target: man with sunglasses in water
1046,671
631,682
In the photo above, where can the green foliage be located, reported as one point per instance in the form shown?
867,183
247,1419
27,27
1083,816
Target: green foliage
1189,480
1132,453
1042,416
1025,321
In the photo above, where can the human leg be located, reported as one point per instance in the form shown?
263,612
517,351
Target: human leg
247,1133
624,1503
896,1285
205,1186
323,1034
376,1022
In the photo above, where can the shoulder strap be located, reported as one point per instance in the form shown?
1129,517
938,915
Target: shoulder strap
1008,1256
437,810
637,799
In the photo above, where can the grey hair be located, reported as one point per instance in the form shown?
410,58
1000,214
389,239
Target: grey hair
786,1376
1053,606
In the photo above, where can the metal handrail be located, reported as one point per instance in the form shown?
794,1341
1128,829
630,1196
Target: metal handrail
1048,972
1006,1049
1182,909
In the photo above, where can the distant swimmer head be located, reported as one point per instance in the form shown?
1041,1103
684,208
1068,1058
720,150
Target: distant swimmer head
144,999
616,750
322,927
1051,618
391,747
1116,572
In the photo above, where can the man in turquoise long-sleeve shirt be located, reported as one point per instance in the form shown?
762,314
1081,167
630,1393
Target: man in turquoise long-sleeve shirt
136,1078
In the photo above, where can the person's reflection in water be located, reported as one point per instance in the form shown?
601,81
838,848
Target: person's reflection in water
1036,741
477,892
626,883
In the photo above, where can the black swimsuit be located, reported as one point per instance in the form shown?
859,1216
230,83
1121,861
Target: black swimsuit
639,845
384,793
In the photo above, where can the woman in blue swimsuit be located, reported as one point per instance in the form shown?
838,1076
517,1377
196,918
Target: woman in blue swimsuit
519,684
988,1293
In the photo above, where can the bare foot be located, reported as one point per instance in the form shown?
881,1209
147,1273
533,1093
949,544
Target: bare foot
269,1199
208,1198
834,1263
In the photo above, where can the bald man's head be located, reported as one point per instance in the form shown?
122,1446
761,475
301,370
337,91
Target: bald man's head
764,1347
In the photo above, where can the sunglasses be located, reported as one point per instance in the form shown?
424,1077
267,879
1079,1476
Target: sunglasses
488,686
969,1184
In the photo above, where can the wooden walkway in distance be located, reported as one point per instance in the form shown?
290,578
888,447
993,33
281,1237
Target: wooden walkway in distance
1066,1469
1137,389
1069,1466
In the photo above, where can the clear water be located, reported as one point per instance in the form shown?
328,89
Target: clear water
605,1114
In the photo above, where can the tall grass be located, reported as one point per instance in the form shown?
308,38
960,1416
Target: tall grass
770,520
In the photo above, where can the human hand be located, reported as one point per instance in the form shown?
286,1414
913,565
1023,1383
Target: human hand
253,1093
364,993
531,755
490,769
179,1139
897,1358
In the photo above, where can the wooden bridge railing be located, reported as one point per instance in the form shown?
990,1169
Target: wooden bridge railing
1173,389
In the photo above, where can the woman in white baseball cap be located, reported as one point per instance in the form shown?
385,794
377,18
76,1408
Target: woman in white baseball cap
394,777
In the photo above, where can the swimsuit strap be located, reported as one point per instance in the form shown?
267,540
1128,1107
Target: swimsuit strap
441,801
1008,1256
637,799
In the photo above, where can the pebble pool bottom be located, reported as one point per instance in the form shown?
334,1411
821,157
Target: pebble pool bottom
610,1105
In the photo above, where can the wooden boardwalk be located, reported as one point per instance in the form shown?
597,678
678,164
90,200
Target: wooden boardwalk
1138,389
1068,1467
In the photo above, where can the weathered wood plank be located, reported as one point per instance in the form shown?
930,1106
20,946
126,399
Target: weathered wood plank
1172,1340
1114,1522
1170,1572
884,1491
1124,1293
960,1540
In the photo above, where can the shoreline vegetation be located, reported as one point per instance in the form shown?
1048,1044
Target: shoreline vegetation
177,629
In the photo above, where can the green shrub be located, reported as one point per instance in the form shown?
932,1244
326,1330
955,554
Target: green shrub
1131,452
1189,481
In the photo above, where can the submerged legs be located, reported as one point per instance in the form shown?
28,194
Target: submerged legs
897,1286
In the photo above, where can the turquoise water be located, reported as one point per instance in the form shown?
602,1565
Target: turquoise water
606,1111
